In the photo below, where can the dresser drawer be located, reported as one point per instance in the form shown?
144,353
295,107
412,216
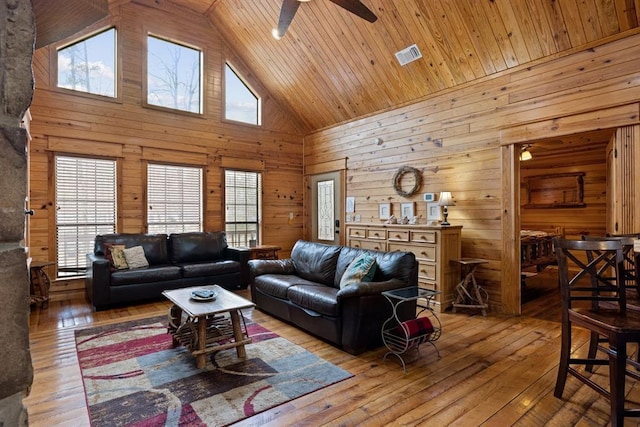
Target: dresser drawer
424,236
357,232
368,244
422,252
398,235
427,284
427,271
377,233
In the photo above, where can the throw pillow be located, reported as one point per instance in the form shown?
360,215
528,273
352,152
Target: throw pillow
135,257
115,255
360,269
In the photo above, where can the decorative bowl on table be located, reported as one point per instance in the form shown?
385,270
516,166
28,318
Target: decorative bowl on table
203,295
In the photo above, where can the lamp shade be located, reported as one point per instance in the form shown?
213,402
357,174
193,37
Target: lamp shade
525,155
446,199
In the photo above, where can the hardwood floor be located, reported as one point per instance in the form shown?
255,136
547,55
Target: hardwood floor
493,371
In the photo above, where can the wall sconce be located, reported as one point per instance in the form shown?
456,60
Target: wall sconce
445,200
525,154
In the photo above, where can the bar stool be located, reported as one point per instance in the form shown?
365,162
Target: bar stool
470,294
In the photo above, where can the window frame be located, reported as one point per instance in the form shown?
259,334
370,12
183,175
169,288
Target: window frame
53,62
53,239
203,192
145,76
250,88
260,201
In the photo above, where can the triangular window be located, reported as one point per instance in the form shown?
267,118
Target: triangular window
241,103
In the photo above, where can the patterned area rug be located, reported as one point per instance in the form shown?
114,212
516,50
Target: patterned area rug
133,376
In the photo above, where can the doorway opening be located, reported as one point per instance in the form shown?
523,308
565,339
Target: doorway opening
562,193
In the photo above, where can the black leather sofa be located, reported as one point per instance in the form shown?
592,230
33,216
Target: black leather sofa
175,261
305,290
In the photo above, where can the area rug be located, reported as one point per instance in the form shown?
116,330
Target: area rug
134,376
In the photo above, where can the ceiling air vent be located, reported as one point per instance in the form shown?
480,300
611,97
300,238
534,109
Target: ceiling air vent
409,54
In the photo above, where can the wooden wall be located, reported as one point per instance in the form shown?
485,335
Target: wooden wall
569,221
65,122
463,140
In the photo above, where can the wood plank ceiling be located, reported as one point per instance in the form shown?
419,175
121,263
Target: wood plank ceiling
332,67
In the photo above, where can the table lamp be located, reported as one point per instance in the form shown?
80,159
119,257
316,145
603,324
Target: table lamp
445,200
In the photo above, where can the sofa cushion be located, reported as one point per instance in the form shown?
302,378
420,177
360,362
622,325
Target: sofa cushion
361,269
276,285
196,246
315,261
135,257
321,299
207,268
115,255
389,265
145,275
154,245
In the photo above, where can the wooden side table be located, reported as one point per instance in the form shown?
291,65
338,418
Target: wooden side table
470,294
40,282
264,252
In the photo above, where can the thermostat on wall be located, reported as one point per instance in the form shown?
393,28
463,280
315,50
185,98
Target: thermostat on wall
429,197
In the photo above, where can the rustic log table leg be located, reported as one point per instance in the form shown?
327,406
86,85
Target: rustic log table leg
174,322
201,358
237,333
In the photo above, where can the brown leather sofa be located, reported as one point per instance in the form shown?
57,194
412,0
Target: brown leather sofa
175,261
305,290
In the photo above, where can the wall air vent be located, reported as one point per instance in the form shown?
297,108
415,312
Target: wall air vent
408,54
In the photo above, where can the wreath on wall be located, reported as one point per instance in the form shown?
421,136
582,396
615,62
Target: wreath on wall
397,180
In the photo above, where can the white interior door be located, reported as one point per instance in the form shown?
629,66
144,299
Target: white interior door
326,207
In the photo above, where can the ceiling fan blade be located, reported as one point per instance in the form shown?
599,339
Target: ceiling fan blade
287,12
356,7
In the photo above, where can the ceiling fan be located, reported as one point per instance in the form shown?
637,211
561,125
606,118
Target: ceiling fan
289,8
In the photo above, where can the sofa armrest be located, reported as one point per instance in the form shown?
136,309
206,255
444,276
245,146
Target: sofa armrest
370,288
258,267
364,310
242,255
98,280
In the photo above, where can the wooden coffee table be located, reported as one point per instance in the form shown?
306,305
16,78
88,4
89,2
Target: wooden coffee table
208,326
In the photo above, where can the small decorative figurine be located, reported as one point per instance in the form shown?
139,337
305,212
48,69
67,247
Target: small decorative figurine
392,220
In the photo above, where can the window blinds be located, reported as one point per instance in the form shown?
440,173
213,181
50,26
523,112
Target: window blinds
174,199
85,192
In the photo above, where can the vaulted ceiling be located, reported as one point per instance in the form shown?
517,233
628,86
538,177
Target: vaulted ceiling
332,67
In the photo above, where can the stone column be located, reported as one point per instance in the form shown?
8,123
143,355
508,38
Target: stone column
17,37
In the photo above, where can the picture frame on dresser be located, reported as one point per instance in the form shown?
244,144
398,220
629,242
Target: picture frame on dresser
351,205
384,210
433,212
407,210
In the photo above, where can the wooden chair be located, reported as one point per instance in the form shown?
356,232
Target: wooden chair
630,277
631,264
590,274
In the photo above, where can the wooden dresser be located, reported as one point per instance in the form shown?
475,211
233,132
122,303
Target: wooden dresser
434,248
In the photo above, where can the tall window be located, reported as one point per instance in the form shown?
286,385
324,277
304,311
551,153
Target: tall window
174,199
89,65
85,207
243,206
241,104
174,75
